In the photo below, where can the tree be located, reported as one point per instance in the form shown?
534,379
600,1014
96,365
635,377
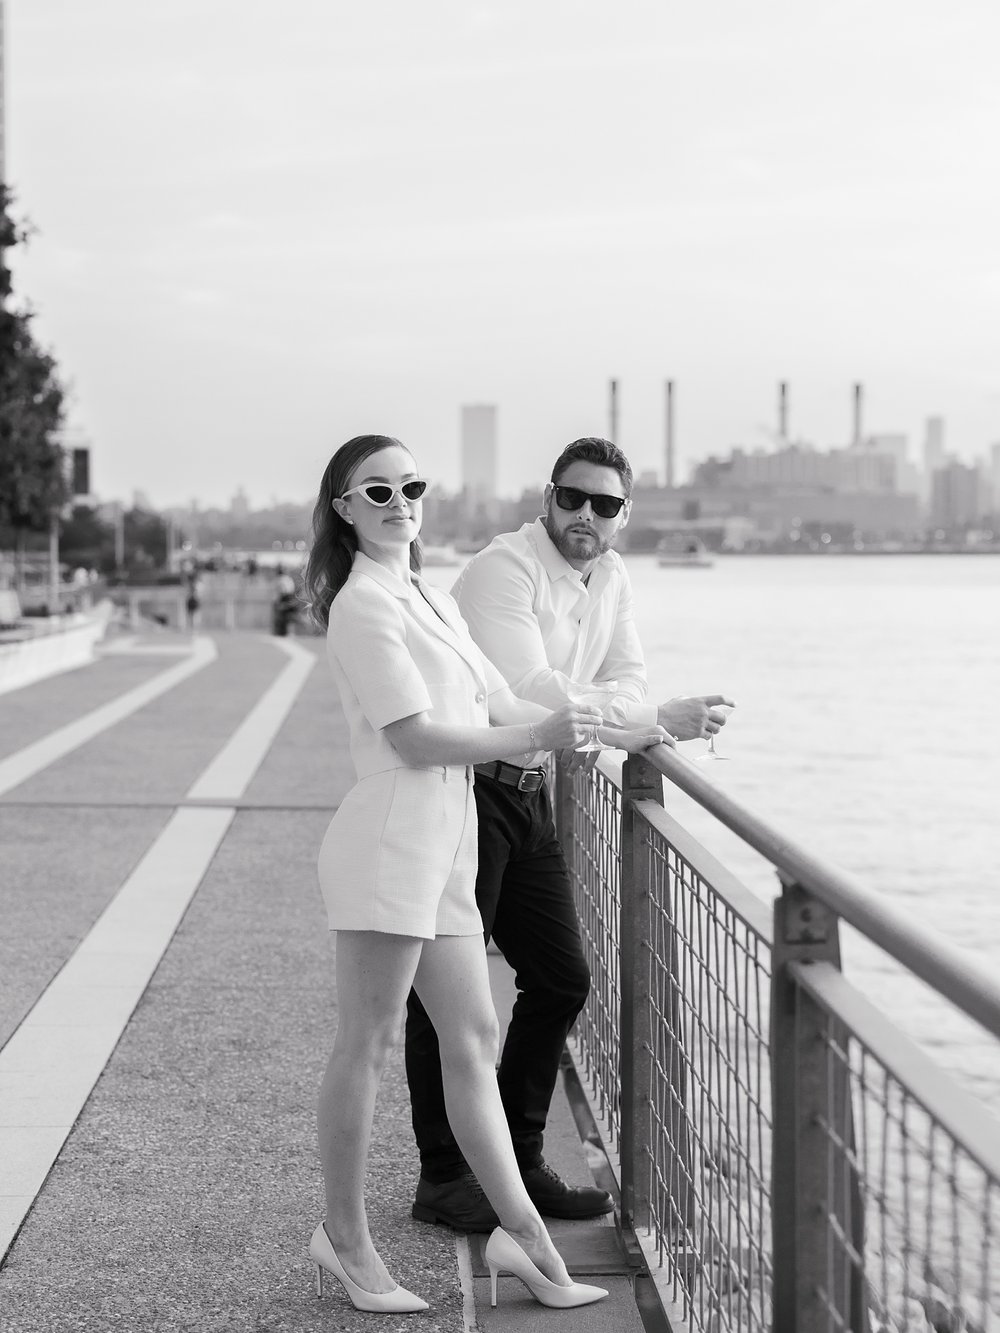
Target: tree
33,481
145,540
87,539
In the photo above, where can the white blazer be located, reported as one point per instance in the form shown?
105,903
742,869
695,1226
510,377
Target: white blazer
400,855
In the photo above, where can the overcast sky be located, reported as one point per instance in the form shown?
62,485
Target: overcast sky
263,228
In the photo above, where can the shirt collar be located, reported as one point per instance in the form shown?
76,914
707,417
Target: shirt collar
556,565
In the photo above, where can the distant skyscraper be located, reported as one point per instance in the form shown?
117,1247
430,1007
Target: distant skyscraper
993,467
895,445
934,444
957,496
934,455
479,454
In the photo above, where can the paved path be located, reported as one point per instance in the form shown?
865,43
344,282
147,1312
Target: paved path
167,1005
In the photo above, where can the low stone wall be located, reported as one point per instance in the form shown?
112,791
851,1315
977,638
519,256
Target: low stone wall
65,643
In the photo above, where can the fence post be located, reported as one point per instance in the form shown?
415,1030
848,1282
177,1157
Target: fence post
811,1107
562,804
640,782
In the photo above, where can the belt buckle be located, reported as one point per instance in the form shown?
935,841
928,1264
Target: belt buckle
530,780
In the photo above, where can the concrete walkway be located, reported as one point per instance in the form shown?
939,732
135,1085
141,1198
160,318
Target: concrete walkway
167,1007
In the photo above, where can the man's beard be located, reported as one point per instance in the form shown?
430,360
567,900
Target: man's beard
574,545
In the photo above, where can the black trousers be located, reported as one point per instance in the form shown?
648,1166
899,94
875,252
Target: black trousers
526,902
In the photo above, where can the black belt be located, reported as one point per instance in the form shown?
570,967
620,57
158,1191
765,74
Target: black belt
524,779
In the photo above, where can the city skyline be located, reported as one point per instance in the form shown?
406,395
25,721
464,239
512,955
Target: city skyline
869,463
261,232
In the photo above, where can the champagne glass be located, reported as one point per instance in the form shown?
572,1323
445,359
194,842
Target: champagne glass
599,693
712,752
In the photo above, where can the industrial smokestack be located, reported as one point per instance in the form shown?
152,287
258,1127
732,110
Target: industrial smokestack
858,394
783,412
670,435
613,412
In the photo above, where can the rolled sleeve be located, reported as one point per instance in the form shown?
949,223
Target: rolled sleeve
631,713
368,639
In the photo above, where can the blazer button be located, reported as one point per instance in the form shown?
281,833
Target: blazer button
480,698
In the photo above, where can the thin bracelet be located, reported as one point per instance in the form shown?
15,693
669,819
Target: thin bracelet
532,743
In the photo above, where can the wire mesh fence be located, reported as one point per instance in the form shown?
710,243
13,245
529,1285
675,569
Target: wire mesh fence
883,1213
709,1095
592,815
910,1205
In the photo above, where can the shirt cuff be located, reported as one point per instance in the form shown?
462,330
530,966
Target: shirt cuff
630,712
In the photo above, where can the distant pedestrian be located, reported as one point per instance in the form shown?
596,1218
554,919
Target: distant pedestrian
192,603
81,589
285,608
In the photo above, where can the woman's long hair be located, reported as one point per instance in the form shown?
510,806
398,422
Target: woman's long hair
335,542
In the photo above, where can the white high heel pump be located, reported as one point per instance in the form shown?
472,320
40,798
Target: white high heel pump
397,1301
504,1255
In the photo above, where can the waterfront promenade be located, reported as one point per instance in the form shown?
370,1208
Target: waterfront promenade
167,1005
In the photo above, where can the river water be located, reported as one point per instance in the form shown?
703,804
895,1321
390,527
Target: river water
867,728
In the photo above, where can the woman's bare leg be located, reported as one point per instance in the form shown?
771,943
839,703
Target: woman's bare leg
374,975
452,980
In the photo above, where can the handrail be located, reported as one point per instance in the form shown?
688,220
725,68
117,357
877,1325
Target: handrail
956,974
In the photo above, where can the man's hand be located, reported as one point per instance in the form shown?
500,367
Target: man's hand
699,715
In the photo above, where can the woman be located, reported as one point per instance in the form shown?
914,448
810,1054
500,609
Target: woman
398,864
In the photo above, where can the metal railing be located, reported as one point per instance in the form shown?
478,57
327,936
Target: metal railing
788,1159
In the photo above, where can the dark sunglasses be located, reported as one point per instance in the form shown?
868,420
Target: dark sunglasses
604,506
378,493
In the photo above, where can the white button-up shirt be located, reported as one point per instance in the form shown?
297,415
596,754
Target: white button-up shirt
533,616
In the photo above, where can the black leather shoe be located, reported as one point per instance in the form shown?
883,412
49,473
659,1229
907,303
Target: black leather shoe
459,1204
552,1196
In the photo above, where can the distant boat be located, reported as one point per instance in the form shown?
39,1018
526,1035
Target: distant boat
683,552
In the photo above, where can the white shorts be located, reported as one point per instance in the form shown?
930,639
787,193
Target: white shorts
401,855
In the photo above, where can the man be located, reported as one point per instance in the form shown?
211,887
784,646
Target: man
551,606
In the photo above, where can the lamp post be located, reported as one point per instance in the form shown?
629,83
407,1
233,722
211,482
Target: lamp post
119,537
54,580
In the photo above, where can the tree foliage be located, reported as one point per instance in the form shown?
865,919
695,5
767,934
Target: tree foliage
32,472
87,538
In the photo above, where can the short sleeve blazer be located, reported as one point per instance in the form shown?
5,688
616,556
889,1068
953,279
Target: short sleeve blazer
398,649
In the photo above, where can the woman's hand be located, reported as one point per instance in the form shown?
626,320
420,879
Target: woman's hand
639,739
567,727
